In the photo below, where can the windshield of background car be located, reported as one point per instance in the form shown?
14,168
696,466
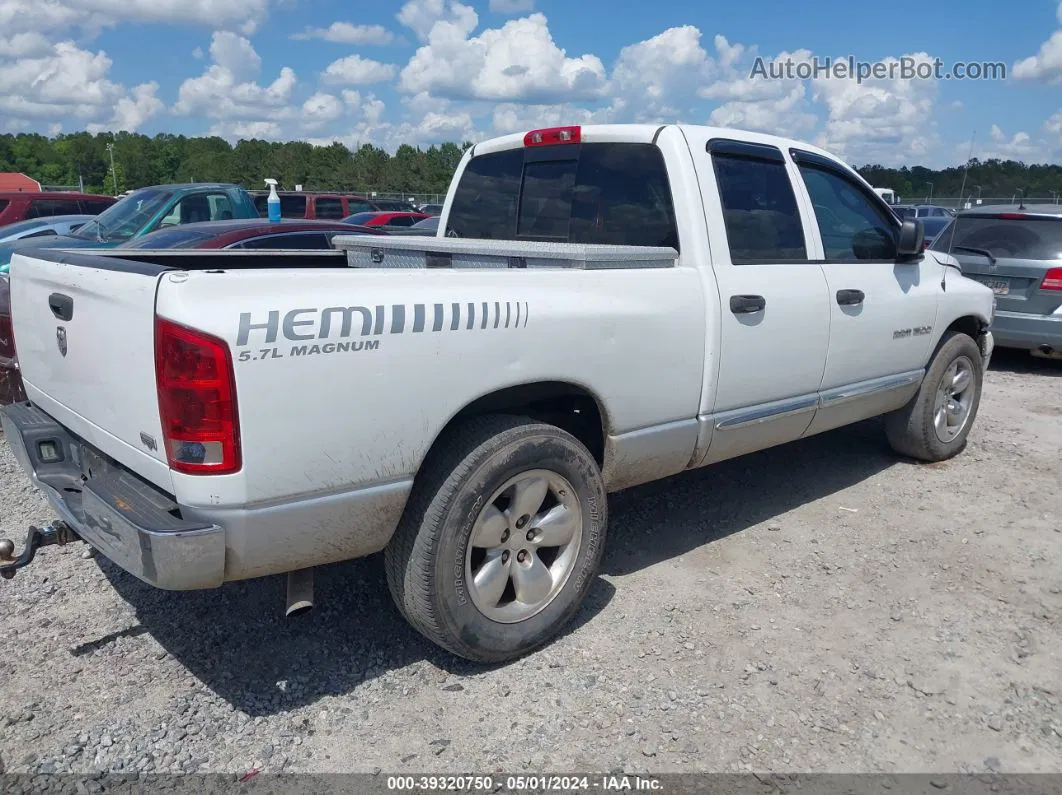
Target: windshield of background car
125,218
1005,238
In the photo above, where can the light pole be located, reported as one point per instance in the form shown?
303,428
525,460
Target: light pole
1054,195
114,176
929,198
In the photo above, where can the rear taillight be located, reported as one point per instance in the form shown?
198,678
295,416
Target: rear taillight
1052,280
554,135
197,400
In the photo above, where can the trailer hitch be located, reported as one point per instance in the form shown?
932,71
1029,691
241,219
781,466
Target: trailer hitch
55,533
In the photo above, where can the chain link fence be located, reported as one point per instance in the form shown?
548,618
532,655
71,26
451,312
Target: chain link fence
957,203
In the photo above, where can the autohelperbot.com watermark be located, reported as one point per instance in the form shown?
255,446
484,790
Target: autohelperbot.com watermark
903,68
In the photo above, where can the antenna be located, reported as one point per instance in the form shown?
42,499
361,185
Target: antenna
966,169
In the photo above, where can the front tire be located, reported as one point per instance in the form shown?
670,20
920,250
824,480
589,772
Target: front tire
936,422
501,538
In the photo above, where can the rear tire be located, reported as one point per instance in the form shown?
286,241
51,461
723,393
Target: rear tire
936,422
460,537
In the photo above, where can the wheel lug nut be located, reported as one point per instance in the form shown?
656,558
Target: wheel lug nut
522,556
505,535
505,556
522,521
530,535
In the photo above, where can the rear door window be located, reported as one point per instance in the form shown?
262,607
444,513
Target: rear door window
94,207
604,193
1005,238
3,204
45,208
759,210
292,206
357,206
329,208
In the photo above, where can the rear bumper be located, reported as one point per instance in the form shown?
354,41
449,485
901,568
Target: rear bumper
124,517
1021,330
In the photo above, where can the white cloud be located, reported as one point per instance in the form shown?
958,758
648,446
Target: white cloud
68,81
512,6
658,78
1054,125
93,15
1019,146
348,33
25,45
357,71
510,117
755,103
887,121
228,89
517,62
421,16
234,130
236,55
132,111
1046,65
320,109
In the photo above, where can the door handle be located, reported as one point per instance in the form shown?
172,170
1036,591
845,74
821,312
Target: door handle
62,306
850,297
747,304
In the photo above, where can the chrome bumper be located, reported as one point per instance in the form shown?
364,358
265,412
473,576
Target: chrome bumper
121,515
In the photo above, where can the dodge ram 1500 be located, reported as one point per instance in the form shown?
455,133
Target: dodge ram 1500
601,307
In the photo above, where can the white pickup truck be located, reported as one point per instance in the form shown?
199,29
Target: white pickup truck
603,306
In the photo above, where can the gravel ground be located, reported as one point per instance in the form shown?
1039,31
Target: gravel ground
819,607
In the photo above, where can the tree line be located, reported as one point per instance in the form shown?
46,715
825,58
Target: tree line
140,160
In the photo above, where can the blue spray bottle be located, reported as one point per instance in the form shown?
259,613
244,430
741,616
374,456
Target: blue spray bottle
273,202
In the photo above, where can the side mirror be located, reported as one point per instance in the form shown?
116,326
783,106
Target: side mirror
912,238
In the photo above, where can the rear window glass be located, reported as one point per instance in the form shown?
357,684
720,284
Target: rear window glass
290,206
360,218
3,204
329,208
45,208
95,207
1036,239
607,193
357,206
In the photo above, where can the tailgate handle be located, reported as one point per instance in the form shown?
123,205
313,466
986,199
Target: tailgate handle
62,306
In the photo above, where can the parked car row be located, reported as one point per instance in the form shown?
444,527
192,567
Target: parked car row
23,206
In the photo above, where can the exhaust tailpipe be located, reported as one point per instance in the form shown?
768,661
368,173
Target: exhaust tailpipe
300,592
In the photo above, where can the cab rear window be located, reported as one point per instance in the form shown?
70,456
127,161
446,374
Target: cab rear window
603,193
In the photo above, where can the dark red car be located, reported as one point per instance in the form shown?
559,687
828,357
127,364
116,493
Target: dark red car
24,205
311,205
235,234
254,233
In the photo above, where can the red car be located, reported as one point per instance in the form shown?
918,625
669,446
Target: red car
24,205
309,205
386,218
235,234
254,233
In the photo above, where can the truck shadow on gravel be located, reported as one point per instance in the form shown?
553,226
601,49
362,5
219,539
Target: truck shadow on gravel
669,518
236,640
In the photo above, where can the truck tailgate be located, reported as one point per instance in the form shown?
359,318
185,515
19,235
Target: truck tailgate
84,335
